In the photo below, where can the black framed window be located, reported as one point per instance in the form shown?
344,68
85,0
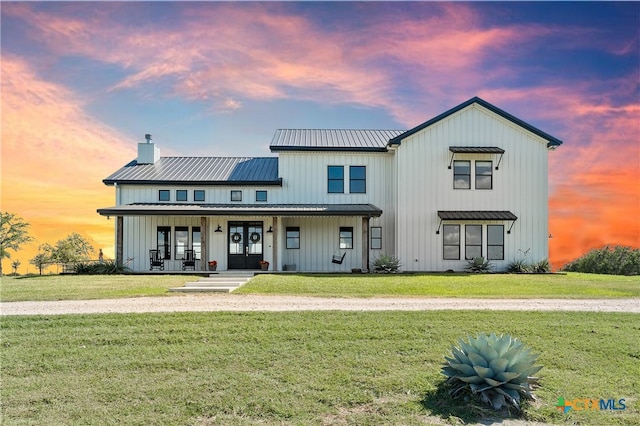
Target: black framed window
164,242
181,195
472,241
261,196
376,238
182,241
335,180
346,237
357,179
293,237
462,174
236,195
196,242
198,195
164,195
495,242
484,175
451,242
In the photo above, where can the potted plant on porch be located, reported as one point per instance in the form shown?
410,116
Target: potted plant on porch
264,265
213,265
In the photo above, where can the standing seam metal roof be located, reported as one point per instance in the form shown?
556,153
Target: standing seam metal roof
200,170
332,139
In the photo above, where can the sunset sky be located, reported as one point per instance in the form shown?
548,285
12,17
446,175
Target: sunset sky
83,82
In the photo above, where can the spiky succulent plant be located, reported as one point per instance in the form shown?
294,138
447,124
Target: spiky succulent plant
496,368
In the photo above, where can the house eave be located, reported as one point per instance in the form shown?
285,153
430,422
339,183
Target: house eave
327,149
111,182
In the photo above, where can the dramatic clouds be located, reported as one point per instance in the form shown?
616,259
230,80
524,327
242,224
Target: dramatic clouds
69,68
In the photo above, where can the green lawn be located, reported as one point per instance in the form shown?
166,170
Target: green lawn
297,368
84,287
571,285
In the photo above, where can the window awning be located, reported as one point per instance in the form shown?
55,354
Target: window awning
477,215
476,150
156,209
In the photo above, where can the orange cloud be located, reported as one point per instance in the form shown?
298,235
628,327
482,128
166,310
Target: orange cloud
54,157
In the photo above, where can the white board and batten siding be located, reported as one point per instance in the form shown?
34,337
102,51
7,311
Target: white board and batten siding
425,186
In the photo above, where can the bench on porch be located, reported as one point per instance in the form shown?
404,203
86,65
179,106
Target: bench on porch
155,260
189,260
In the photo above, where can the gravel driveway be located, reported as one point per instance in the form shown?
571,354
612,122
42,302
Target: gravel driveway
232,302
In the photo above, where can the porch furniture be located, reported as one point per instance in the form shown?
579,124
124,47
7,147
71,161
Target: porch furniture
338,259
156,260
188,260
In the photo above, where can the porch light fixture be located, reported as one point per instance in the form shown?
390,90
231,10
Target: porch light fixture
270,230
218,229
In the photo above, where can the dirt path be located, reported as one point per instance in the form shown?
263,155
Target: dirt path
232,302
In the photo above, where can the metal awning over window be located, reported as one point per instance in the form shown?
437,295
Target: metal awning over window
476,150
476,215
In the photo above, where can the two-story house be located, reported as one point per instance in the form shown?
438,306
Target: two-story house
470,182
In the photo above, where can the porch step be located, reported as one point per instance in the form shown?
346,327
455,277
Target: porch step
219,283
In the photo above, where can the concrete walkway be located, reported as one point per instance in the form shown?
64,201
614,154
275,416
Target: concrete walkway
233,303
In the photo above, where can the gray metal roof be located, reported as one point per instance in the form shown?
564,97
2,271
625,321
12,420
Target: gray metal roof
201,171
332,140
477,215
166,209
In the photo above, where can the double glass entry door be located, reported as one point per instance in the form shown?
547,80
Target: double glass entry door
245,245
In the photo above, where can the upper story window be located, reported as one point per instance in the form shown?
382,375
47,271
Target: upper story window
484,175
198,195
164,195
462,174
236,195
293,237
181,195
261,196
346,237
357,179
335,180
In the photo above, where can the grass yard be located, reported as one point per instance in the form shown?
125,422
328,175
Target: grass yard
297,368
571,285
85,287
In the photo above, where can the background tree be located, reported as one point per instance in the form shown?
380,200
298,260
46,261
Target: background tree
15,265
74,248
44,256
14,232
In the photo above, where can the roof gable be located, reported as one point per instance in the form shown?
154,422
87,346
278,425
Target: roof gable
552,142
200,171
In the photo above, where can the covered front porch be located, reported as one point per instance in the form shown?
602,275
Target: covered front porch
306,238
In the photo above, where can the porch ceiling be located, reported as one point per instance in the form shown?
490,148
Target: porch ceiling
154,209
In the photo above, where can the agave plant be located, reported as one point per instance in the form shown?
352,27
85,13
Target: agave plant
497,369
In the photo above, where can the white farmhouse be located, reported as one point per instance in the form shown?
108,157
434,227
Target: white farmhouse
470,182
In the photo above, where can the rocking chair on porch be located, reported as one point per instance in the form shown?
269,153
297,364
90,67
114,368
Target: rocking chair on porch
189,260
337,259
155,260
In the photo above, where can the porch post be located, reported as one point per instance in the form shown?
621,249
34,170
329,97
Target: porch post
119,238
274,244
203,244
365,243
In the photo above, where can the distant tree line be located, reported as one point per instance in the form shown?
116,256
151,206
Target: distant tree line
617,260
14,233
